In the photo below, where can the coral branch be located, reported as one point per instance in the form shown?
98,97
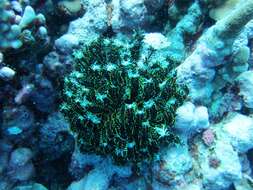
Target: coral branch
233,23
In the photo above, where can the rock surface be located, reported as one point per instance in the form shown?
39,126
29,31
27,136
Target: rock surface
191,119
239,129
245,82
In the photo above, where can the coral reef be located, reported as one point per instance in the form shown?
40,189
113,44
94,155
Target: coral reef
204,44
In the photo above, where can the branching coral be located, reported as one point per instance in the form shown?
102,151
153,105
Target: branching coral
19,25
202,68
120,105
7,29
187,26
232,25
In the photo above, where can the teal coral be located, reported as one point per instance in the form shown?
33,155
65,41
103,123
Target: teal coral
120,105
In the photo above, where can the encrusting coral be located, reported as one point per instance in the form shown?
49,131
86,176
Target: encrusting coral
120,105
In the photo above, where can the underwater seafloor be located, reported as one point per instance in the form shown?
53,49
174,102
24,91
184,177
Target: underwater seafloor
126,94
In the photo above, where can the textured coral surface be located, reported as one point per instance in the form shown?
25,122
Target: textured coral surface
120,105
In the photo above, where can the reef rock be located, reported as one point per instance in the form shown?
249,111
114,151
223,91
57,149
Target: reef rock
20,167
191,119
245,83
7,73
55,138
66,43
219,167
240,131
174,163
93,22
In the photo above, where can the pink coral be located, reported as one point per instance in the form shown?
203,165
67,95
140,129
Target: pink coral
208,137
214,162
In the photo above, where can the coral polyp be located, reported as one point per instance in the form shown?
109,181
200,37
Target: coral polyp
119,104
